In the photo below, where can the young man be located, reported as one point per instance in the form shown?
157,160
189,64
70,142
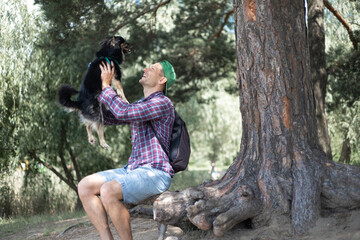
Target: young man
148,171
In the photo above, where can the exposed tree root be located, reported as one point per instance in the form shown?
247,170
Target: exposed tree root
317,183
170,207
194,205
340,188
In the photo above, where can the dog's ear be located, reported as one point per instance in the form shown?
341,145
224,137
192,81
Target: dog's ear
109,41
113,42
105,42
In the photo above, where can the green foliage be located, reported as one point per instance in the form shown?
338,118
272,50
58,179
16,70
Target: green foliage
336,34
164,33
356,4
15,50
201,58
343,65
187,179
344,77
52,43
31,120
212,125
344,123
18,199
155,32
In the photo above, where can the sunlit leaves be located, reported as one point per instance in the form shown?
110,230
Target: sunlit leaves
343,63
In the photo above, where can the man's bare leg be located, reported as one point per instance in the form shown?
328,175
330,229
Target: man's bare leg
111,194
89,188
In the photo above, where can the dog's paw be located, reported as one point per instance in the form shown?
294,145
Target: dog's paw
92,141
104,145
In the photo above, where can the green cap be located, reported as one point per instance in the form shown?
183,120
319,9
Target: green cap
169,73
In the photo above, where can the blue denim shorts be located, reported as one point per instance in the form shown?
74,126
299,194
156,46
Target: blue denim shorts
140,183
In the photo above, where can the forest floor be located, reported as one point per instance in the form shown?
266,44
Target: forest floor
339,226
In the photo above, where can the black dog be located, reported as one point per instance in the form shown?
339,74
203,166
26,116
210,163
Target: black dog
112,49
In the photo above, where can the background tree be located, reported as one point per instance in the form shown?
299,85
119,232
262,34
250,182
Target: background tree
316,32
54,47
342,101
280,173
26,112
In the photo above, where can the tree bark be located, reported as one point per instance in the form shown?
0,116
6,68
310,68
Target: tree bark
281,173
62,144
74,161
318,69
345,154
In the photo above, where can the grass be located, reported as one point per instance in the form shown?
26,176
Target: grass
9,226
12,225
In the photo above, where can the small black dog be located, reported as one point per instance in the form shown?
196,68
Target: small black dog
87,105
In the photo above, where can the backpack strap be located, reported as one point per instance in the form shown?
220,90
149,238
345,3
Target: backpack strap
162,145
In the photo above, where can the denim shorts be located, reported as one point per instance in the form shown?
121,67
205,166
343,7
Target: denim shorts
140,183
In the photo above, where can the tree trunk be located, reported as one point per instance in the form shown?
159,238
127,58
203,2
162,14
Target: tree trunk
280,173
318,69
345,149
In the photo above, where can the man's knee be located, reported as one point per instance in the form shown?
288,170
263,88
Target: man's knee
88,186
83,188
111,192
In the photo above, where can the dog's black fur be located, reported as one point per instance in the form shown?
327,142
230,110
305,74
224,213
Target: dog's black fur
87,104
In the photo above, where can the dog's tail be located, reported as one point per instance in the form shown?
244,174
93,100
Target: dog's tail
64,97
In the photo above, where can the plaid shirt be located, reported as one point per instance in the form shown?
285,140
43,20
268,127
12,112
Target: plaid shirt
146,148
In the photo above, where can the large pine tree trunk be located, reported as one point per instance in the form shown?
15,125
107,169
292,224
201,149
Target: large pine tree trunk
280,173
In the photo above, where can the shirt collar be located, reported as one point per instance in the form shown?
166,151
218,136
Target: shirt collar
159,93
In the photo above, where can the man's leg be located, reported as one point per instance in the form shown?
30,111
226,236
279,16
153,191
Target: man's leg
111,194
89,188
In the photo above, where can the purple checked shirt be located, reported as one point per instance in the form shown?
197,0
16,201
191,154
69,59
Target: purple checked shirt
146,148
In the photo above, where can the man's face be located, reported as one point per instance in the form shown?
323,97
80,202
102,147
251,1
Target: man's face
152,75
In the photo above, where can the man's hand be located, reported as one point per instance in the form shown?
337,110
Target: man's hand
107,74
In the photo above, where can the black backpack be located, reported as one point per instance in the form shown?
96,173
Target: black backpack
179,144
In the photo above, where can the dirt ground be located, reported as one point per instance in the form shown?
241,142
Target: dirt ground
340,226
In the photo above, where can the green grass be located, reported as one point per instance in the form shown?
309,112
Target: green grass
8,226
12,225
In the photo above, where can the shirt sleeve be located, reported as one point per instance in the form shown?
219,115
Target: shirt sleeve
110,119
153,109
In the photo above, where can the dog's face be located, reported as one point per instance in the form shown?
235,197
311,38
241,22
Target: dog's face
114,47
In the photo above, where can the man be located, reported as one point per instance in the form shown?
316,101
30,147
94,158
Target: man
148,171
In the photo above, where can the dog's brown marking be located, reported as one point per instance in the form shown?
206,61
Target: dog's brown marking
250,10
